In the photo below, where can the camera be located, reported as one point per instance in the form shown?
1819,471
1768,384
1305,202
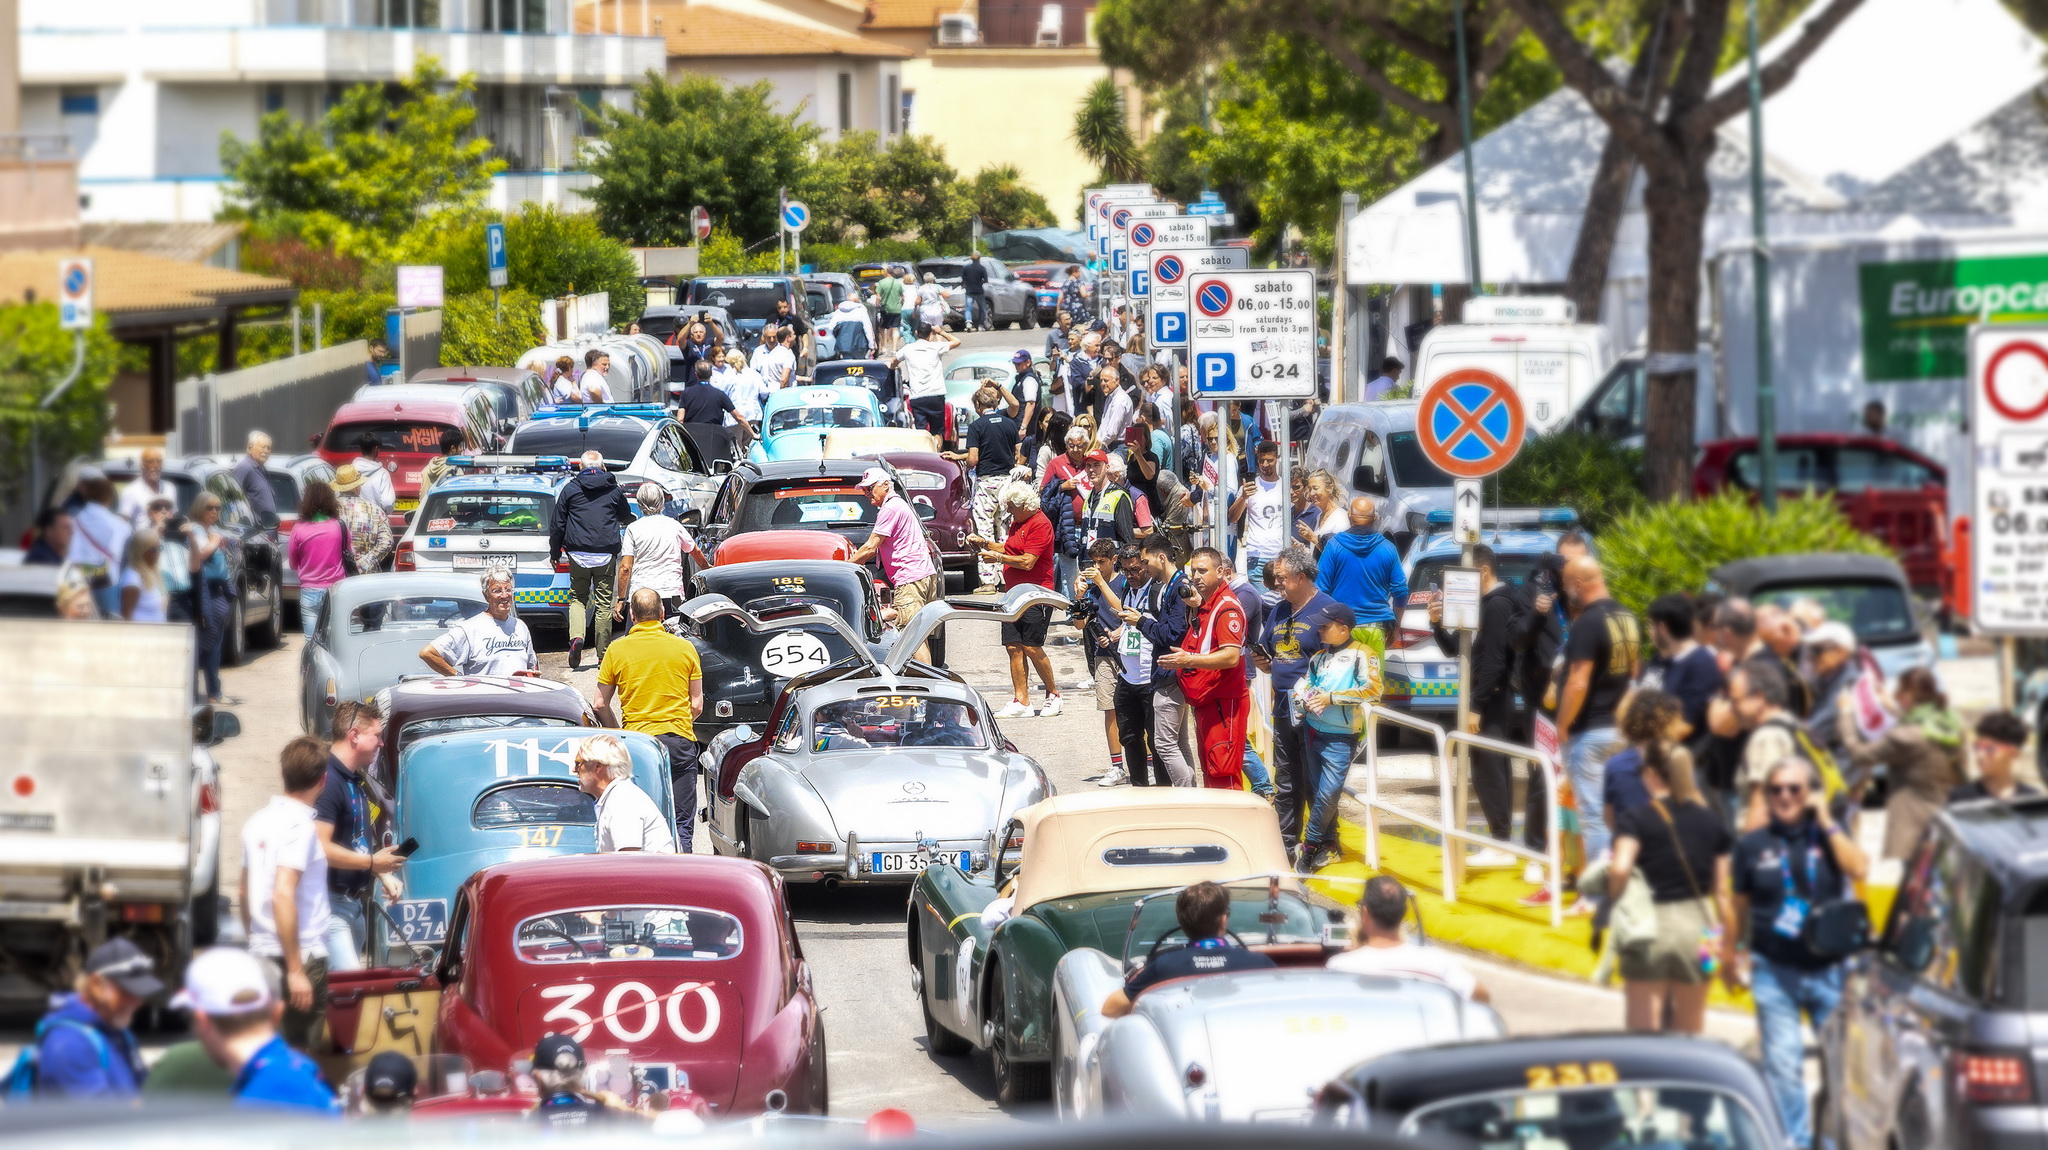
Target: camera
1188,593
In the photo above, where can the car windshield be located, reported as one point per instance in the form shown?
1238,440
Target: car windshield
392,435
534,805
741,299
449,724
944,273
983,371
487,512
882,722
1300,921
1411,467
808,506
1621,1115
413,612
629,933
612,438
1879,613
1429,573
798,418
660,326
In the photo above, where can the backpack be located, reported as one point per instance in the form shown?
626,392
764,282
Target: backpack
23,1078
850,339
1830,774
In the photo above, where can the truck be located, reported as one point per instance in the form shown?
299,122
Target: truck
1534,342
110,812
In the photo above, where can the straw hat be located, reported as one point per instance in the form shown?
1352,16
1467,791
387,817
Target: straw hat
346,478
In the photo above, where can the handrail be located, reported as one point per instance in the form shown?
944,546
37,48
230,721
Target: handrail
1450,825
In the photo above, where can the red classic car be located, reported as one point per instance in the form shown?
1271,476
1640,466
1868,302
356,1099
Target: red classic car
1885,488
684,965
755,546
943,485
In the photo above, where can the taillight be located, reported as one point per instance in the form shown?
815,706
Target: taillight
403,560
1994,1079
209,798
562,566
1410,636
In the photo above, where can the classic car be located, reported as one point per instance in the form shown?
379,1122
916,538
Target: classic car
477,798
796,420
639,441
876,375
1201,1048
856,442
1868,592
929,479
369,635
868,773
255,550
470,523
757,546
686,964
1561,1090
424,705
745,667
966,371
808,494
985,940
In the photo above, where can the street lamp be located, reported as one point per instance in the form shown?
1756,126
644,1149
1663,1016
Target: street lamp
1760,289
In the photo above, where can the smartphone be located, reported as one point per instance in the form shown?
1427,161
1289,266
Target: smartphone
1543,583
408,848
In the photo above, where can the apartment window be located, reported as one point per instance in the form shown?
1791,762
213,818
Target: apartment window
515,15
909,106
895,100
79,101
273,97
845,101
409,13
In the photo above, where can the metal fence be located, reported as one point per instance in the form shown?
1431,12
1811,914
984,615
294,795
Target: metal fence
291,399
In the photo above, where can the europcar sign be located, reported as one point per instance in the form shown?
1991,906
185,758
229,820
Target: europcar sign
1917,314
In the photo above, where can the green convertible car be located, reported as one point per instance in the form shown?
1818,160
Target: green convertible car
1069,873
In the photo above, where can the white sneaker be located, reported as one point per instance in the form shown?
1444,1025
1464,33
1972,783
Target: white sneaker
1014,710
1113,779
1050,707
1490,858
1085,683
1533,874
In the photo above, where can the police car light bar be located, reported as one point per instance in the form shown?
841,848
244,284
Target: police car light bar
560,410
511,462
1513,517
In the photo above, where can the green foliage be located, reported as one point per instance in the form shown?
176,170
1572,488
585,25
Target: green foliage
1001,198
722,254
694,142
547,253
1102,130
471,334
1590,474
1673,546
862,189
35,355
839,257
383,161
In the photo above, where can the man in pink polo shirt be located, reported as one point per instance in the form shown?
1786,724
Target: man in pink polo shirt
898,543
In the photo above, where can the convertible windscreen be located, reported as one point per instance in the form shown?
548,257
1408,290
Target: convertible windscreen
1626,1114
1166,856
765,510
629,933
418,612
885,722
798,418
487,513
534,805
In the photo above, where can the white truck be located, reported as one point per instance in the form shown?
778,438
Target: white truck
1534,342
110,805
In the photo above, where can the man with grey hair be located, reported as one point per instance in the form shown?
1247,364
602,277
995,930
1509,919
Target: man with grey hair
653,549
591,514
627,820
255,481
897,542
1287,640
495,642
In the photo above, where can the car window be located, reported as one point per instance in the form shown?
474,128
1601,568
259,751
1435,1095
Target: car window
533,805
487,512
741,298
1429,573
798,418
789,736
629,933
1798,468
1644,1114
1412,468
1196,855
1877,612
614,438
1857,468
881,722
392,435
1945,922
284,491
1370,475
766,507
916,480
417,612
982,371
664,451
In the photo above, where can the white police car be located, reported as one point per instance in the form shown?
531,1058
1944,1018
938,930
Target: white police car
639,441
501,516
1419,677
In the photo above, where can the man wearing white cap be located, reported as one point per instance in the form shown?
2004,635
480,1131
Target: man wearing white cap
898,542
234,1011
1831,667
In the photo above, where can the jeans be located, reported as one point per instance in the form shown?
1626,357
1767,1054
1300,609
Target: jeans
682,778
976,309
1169,726
1585,760
1067,569
310,599
590,601
1255,570
1291,789
1134,719
1782,994
347,930
1327,758
215,611
1255,772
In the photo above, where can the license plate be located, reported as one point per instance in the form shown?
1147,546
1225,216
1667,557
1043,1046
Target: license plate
405,505
21,822
910,862
422,920
462,561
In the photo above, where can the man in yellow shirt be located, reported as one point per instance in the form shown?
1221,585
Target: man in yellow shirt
659,683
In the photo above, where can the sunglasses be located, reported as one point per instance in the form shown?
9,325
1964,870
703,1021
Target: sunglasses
1786,789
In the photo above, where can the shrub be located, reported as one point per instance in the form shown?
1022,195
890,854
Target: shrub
471,334
1666,547
1590,474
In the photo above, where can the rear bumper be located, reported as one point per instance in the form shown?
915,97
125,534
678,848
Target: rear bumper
2003,1127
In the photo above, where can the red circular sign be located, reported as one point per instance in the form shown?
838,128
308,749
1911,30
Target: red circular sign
1470,423
1991,382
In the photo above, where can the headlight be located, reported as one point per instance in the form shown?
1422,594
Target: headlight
1418,522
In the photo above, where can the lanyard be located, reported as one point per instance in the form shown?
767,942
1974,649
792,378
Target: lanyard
1812,867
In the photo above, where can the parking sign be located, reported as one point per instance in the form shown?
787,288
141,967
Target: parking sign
74,294
1254,333
494,247
1168,283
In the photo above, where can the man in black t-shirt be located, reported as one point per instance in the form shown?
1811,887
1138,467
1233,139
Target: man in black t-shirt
794,330
341,817
1203,911
1601,654
991,453
706,402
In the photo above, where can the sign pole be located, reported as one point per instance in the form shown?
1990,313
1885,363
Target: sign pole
781,232
1278,410
1465,126
1760,272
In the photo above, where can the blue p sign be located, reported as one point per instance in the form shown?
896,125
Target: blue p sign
1216,371
1169,328
1120,260
494,243
1141,282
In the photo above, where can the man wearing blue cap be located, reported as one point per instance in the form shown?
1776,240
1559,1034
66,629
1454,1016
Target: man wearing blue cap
84,1047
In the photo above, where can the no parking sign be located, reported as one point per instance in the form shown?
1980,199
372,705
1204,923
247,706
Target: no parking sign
1254,334
2009,428
1170,271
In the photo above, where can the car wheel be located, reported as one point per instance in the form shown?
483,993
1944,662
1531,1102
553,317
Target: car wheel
235,644
206,916
271,635
1017,1083
1030,320
943,1043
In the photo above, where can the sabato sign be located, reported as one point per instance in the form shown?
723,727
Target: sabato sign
1917,314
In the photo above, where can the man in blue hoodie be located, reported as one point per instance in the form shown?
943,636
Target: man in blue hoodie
1362,569
591,515
85,1046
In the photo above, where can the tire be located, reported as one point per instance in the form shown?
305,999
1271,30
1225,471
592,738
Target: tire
1030,320
942,1043
206,917
271,635
235,644
1017,1083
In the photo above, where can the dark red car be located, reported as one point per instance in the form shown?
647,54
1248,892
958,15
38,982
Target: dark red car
687,964
943,485
1885,488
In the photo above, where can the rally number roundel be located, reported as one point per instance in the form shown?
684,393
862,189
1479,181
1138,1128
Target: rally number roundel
1141,235
1213,298
793,653
1168,269
1470,423
2016,411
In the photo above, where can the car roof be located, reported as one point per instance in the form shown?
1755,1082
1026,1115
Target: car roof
418,389
432,697
1065,837
804,468
30,579
484,374
504,481
532,887
1508,541
2009,838
356,590
805,394
1745,575
607,421
432,403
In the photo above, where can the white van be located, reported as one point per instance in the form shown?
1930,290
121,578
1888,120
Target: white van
1372,450
1534,342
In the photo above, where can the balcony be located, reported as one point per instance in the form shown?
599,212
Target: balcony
1018,24
39,185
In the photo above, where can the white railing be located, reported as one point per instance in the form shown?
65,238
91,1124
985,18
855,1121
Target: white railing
1450,825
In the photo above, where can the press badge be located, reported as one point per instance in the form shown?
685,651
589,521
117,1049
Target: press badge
1133,642
1791,917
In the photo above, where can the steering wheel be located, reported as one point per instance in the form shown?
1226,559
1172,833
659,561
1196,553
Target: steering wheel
563,931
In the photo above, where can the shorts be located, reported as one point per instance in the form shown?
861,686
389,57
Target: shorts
1104,670
1028,631
891,319
1674,955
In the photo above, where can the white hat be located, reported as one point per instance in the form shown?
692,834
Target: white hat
224,981
874,475
1832,634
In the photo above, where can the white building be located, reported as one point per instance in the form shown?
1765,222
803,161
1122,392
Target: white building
145,88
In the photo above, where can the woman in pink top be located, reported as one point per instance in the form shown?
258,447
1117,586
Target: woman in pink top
319,540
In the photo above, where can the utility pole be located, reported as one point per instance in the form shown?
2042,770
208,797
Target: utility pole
1760,289
1465,126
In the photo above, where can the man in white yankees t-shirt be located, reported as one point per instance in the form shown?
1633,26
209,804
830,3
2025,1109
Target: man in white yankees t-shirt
492,643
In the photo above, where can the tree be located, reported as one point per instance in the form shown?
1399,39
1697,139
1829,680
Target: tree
1002,200
1103,132
695,142
861,188
1669,127
35,354
384,160
548,253
475,331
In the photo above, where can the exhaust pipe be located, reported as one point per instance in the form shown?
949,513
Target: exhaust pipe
832,882
776,1101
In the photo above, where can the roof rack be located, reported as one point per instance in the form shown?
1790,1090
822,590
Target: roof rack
509,463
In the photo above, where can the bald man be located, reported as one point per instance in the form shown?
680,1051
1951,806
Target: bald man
1362,568
146,489
1778,638
1601,657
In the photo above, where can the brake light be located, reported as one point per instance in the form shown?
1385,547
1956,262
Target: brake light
403,560
1410,636
209,798
1994,1079
562,566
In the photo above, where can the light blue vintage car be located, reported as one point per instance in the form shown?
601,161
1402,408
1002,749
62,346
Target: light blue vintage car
796,420
478,798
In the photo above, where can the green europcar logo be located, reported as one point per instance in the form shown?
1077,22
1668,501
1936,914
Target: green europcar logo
1917,314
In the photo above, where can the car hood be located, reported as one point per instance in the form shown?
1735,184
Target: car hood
378,665
933,792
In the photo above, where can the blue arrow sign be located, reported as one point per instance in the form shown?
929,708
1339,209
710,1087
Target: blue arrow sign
1207,208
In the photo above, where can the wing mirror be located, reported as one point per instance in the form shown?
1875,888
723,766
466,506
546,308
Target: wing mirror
210,728
691,518
1914,949
721,466
926,511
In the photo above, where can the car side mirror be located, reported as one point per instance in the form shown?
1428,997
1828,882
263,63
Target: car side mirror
211,728
691,518
1914,949
721,467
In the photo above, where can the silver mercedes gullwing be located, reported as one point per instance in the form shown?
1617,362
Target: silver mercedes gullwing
871,769
1242,1046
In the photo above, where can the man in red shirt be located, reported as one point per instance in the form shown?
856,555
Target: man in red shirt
1211,665
1026,556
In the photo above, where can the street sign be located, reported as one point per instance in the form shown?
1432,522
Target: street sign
494,247
1207,208
419,285
1141,282
1461,599
1470,423
795,216
1168,232
1170,328
700,222
2008,366
1254,334
1169,287
1119,215
1466,500
74,294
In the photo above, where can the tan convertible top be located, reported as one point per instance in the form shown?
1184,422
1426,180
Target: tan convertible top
1068,840
853,442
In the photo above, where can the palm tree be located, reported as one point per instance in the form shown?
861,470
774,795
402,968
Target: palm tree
1104,135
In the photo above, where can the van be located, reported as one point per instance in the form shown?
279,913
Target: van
1372,450
1534,342
407,422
